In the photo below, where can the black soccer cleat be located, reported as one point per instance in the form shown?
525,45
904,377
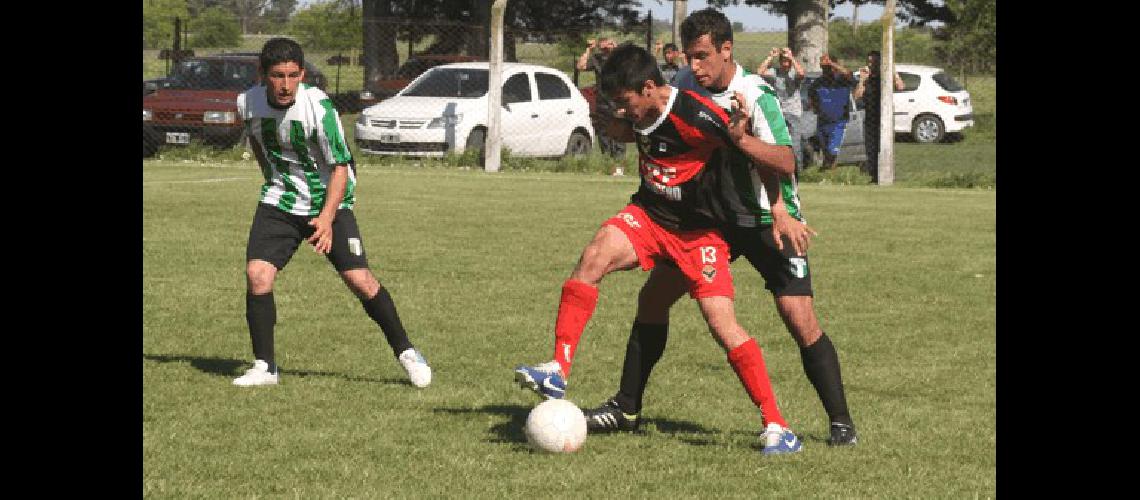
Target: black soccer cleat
842,435
609,418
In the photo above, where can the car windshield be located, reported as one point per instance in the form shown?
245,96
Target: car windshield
198,74
947,82
450,82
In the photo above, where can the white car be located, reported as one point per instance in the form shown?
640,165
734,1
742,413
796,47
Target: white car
932,105
445,110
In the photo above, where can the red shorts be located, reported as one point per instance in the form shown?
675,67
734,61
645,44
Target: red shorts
702,255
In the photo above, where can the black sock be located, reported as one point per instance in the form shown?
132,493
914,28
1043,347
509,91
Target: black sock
261,315
383,311
645,347
821,364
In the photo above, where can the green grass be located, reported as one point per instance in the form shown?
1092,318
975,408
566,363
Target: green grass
905,282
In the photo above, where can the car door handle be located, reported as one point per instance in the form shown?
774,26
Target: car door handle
569,111
534,115
910,100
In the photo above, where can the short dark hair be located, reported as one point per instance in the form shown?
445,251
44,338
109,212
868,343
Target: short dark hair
279,50
875,53
627,68
708,21
670,46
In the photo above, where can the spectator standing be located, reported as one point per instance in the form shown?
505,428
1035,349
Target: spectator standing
829,97
869,89
603,109
786,78
674,60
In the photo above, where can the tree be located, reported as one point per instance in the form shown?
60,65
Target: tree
807,20
737,27
215,27
328,26
276,15
969,42
158,21
249,13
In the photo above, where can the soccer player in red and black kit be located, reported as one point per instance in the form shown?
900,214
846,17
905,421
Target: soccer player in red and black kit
673,216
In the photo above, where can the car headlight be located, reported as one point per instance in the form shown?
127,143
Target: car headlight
443,121
218,117
148,115
366,95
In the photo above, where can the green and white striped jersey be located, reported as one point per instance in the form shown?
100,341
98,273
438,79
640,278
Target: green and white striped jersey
296,149
767,124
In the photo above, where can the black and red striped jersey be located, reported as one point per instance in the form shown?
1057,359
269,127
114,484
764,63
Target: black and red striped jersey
681,162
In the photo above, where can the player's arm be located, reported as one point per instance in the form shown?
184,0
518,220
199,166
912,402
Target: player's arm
772,157
336,153
583,60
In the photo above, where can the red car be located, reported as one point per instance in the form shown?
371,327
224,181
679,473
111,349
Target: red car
198,101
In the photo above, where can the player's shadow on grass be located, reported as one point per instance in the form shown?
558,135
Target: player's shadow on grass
682,430
233,367
510,431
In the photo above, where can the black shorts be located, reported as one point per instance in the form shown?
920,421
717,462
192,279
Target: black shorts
785,273
275,235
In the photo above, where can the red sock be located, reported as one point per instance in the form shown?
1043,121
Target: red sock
574,310
748,362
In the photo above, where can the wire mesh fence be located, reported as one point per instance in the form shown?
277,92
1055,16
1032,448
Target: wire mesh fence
412,87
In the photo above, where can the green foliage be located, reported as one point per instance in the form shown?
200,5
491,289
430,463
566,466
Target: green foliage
912,45
328,25
215,27
970,42
158,22
846,175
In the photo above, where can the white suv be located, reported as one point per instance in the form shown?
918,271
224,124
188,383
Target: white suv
445,110
932,105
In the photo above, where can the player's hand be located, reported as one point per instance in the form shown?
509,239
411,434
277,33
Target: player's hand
774,52
657,46
321,239
786,226
591,43
864,72
738,121
787,53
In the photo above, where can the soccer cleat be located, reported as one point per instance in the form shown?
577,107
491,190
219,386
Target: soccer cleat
418,370
258,375
609,417
842,435
546,379
779,440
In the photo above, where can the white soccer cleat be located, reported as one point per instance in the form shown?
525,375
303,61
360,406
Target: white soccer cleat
258,375
418,370
779,440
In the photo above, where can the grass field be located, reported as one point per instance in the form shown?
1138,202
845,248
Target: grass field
905,280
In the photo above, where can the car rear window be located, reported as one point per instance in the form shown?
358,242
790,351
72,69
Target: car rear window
947,82
450,82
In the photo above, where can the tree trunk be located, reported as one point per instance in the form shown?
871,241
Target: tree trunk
807,31
379,51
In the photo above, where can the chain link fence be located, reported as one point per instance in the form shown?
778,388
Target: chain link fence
189,95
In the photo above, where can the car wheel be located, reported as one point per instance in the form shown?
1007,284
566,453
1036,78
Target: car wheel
579,144
928,129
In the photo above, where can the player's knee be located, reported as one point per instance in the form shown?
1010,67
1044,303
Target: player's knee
259,277
362,283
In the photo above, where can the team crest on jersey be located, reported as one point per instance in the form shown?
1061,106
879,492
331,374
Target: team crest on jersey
709,273
630,220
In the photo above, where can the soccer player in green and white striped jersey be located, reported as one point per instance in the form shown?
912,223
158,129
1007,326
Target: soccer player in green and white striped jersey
309,192
764,206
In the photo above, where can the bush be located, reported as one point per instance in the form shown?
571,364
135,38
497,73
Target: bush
215,27
912,45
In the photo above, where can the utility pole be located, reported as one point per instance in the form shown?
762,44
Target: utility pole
887,101
680,10
494,138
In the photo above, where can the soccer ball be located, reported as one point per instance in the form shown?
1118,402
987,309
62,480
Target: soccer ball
556,426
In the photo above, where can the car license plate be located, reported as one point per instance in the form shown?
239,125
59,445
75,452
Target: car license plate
389,138
178,138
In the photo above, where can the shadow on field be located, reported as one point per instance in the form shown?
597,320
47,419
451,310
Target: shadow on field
232,368
510,431
685,431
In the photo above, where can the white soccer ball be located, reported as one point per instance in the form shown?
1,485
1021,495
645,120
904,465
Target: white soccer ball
556,426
